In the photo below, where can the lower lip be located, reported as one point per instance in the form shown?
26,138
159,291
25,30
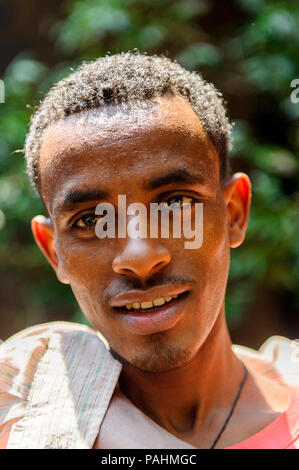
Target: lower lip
162,319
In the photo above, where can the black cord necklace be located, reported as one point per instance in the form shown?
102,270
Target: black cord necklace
233,407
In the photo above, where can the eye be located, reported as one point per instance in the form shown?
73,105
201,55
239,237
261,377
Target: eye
179,199
87,221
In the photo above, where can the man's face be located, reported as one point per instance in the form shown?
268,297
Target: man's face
146,153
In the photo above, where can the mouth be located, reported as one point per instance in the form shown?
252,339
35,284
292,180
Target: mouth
151,311
151,306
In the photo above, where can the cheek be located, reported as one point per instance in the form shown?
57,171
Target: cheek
85,263
216,253
215,228
210,263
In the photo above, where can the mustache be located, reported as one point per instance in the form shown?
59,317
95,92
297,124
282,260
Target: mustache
123,286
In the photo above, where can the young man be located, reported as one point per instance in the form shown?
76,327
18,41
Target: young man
159,369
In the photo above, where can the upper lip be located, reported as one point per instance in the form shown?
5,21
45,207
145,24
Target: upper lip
147,295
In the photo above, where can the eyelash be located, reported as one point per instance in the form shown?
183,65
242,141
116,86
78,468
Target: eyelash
89,214
181,196
92,214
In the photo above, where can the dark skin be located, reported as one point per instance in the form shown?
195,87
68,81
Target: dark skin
185,377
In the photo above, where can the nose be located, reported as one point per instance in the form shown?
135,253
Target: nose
141,258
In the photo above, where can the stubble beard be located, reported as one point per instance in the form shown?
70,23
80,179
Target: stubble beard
158,357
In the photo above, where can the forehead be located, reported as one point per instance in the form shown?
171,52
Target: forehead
118,142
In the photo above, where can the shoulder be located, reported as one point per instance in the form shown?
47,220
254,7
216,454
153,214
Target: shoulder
21,353
277,358
49,367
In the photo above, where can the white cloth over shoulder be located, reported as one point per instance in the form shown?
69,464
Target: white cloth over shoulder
56,381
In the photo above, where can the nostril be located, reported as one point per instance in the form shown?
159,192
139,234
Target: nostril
159,265
126,271
140,259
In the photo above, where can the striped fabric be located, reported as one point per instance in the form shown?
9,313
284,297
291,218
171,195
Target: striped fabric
60,377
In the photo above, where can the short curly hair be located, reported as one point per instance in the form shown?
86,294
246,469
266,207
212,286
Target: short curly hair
128,77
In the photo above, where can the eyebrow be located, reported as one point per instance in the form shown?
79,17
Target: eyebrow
176,176
75,197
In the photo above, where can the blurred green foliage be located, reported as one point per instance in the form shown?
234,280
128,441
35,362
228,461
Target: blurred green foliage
251,54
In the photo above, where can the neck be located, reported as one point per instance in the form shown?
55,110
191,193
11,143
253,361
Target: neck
182,399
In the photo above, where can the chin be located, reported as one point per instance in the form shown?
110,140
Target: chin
158,359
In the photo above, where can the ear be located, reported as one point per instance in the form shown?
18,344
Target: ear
44,235
237,196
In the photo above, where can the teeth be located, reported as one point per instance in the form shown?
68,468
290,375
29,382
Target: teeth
146,304
154,303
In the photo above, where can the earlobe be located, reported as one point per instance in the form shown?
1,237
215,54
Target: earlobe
44,236
237,196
